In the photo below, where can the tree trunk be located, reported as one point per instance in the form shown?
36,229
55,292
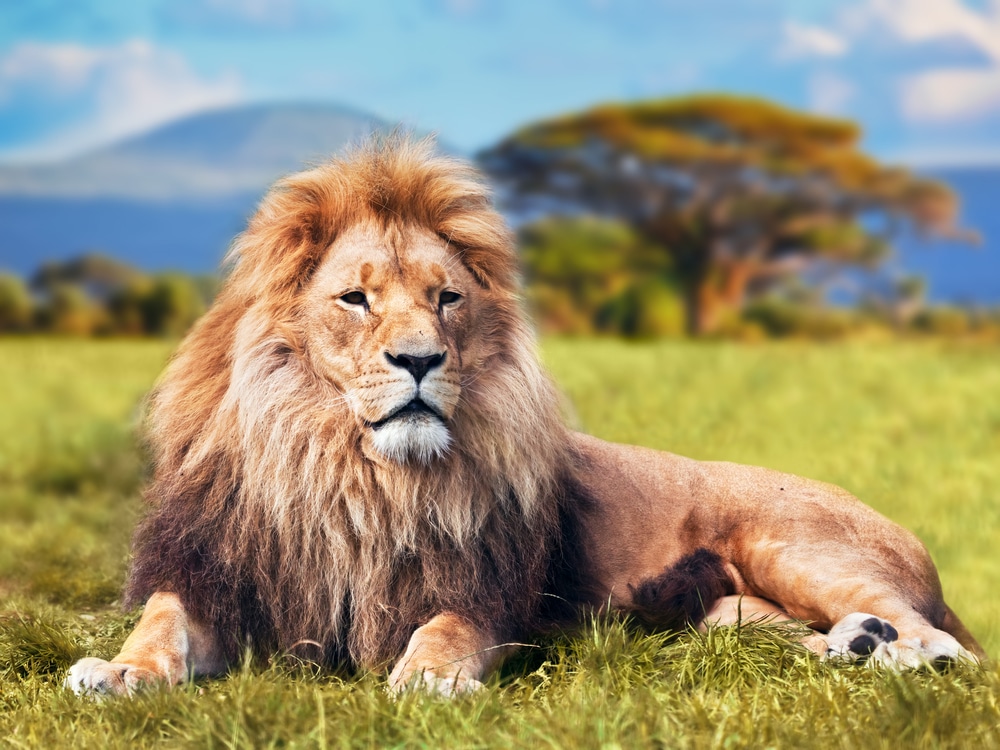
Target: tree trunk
713,279
712,292
735,279
699,307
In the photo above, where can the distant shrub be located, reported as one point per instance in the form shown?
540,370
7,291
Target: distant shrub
780,318
644,310
943,321
586,275
127,307
16,306
738,328
68,311
986,324
172,304
94,294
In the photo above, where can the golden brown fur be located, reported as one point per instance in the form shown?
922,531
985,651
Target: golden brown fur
357,456
289,527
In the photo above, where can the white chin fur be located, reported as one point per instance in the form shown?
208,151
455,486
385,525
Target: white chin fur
420,439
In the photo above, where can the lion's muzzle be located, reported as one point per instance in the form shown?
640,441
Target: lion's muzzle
416,428
412,411
417,366
413,432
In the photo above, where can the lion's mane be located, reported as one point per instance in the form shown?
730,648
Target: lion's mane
266,516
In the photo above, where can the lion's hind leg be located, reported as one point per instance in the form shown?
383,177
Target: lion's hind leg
740,609
855,638
737,609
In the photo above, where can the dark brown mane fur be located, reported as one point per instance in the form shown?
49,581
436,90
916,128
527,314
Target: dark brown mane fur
265,515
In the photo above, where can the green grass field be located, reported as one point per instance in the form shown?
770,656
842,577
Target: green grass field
913,429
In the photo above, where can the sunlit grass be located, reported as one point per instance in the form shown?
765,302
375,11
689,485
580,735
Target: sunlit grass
913,429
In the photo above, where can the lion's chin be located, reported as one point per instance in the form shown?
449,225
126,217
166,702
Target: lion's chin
419,436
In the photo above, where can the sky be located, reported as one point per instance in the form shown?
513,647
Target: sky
922,76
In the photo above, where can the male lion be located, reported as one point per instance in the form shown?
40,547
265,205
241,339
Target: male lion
356,453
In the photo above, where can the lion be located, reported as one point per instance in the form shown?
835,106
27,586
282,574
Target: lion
357,457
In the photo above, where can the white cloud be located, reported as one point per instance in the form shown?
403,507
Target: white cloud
830,93
122,89
918,21
943,94
951,94
801,41
60,68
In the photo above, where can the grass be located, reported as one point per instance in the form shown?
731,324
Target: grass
912,428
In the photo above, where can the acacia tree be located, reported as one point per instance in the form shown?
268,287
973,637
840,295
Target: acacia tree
738,192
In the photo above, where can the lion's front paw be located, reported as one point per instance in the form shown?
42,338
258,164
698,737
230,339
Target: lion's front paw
97,677
858,636
427,682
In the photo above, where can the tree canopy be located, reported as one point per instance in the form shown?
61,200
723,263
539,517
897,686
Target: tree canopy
738,192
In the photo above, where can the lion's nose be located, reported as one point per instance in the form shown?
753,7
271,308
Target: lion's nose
416,366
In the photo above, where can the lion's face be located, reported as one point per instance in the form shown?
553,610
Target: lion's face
386,318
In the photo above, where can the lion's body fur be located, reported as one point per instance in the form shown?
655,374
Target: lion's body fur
267,516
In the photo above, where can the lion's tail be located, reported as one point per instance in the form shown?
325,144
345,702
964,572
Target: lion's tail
683,593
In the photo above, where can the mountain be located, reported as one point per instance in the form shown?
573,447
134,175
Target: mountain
212,155
169,199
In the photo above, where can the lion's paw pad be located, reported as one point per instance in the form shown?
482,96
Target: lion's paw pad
97,678
858,636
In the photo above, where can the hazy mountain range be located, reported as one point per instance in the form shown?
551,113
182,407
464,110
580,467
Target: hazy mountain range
212,155
175,197
169,199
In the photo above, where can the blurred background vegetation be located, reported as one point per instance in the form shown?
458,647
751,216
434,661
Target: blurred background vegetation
703,216
96,295
709,215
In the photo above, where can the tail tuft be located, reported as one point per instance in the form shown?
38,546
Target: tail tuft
683,593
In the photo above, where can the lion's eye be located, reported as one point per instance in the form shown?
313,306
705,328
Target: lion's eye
449,298
355,298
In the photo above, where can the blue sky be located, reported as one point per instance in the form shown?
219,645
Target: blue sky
922,76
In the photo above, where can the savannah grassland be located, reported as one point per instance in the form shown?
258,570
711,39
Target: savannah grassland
912,428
